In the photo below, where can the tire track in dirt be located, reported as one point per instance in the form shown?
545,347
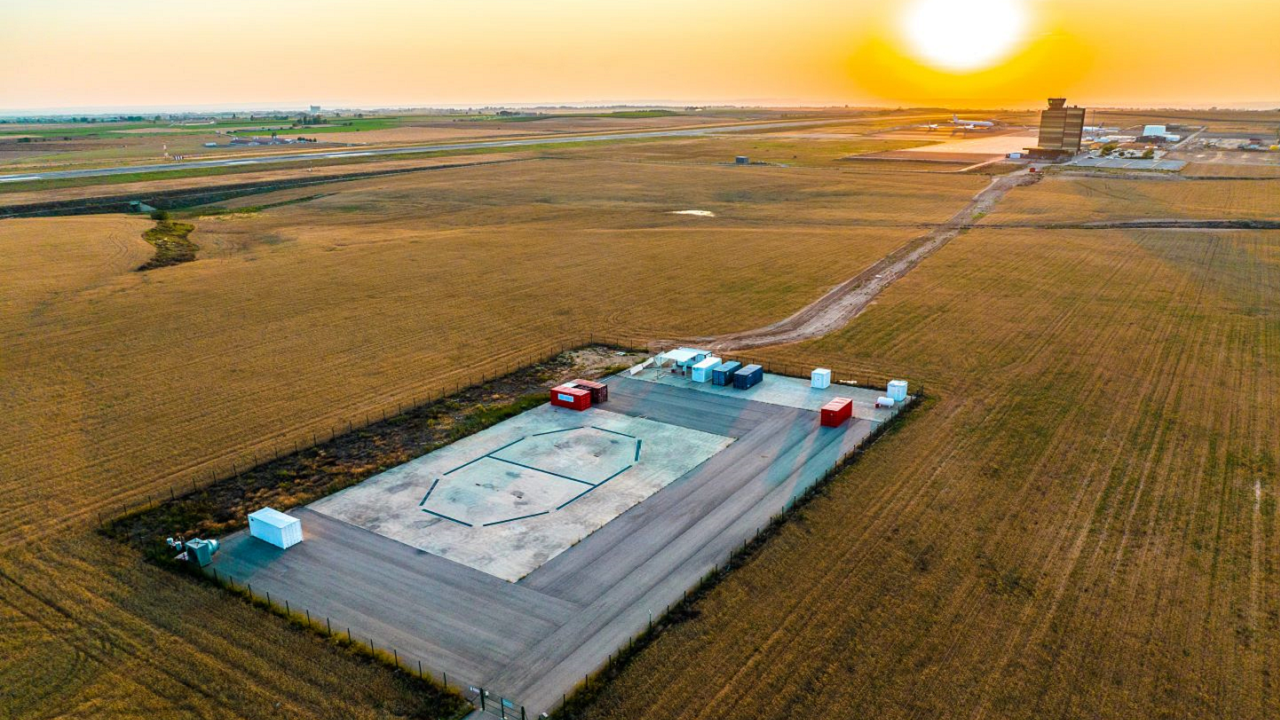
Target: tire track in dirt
1147,431
1037,617
847,300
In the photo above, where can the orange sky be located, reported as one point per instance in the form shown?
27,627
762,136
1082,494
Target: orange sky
95,53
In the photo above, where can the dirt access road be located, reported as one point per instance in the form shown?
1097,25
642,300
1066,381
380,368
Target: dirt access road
847,300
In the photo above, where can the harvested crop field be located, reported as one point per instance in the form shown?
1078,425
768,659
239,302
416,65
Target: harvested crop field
880,165
1079,523
1226,170
70,256
295,318
438,132
1261,121
266,336
1068,199
152,188
798,152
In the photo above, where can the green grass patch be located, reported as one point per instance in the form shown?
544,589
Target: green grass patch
172,244
54,184
334,125
249,209
86,130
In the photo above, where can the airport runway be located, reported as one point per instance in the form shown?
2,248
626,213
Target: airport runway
404,150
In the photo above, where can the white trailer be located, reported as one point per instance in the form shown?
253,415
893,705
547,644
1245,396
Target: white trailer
702,371
276,528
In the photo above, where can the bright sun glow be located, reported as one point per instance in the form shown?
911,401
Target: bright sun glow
964,35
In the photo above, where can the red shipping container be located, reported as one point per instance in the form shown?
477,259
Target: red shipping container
570,397
836,412
599,391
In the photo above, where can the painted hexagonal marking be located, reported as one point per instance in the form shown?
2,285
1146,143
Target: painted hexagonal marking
529,477
587,454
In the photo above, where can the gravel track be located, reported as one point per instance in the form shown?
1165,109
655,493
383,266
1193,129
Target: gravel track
847,300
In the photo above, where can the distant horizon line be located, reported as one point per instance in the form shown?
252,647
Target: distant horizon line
744,103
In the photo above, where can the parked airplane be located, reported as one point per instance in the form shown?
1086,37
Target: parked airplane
958,124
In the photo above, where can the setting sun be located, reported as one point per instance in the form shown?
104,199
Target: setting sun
964,36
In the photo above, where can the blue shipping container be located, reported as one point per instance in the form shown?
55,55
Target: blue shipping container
748,377
722,374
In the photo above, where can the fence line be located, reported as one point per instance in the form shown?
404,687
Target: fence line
285,446
453,385
384,653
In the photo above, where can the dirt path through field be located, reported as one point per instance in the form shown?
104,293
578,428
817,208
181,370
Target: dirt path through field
847,300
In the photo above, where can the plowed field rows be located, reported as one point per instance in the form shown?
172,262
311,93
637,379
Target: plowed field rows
295,318
1063,199
307,315
1080,523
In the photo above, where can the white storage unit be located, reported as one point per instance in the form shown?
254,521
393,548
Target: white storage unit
820,378
898,390
273,526
884,402
702,371
684,357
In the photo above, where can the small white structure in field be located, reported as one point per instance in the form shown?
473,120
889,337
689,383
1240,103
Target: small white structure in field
820,378
273,526
702,371
898,390
884,402
685,357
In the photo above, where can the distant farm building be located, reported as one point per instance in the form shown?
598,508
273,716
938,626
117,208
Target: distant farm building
1157,133
257,140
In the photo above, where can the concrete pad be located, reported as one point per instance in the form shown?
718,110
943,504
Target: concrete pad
587,455
531,641
490,492
781,390
987,143
510,498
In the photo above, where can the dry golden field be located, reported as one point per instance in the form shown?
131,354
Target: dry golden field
1090,199
1221,169
149,187
268,338
1080,523
817,151
106,145
1261,121
294,318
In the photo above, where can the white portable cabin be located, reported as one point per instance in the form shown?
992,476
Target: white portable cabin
702,371
897,390
820,378
273,526
685,357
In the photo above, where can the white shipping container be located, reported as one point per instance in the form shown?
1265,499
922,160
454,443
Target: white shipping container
702,371
820,378
898,390
273,526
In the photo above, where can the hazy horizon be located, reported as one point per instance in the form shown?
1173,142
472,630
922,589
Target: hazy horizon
300,106
135,54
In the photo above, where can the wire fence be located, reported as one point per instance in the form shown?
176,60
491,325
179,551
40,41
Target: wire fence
190,481
449,384
485,699
480,697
